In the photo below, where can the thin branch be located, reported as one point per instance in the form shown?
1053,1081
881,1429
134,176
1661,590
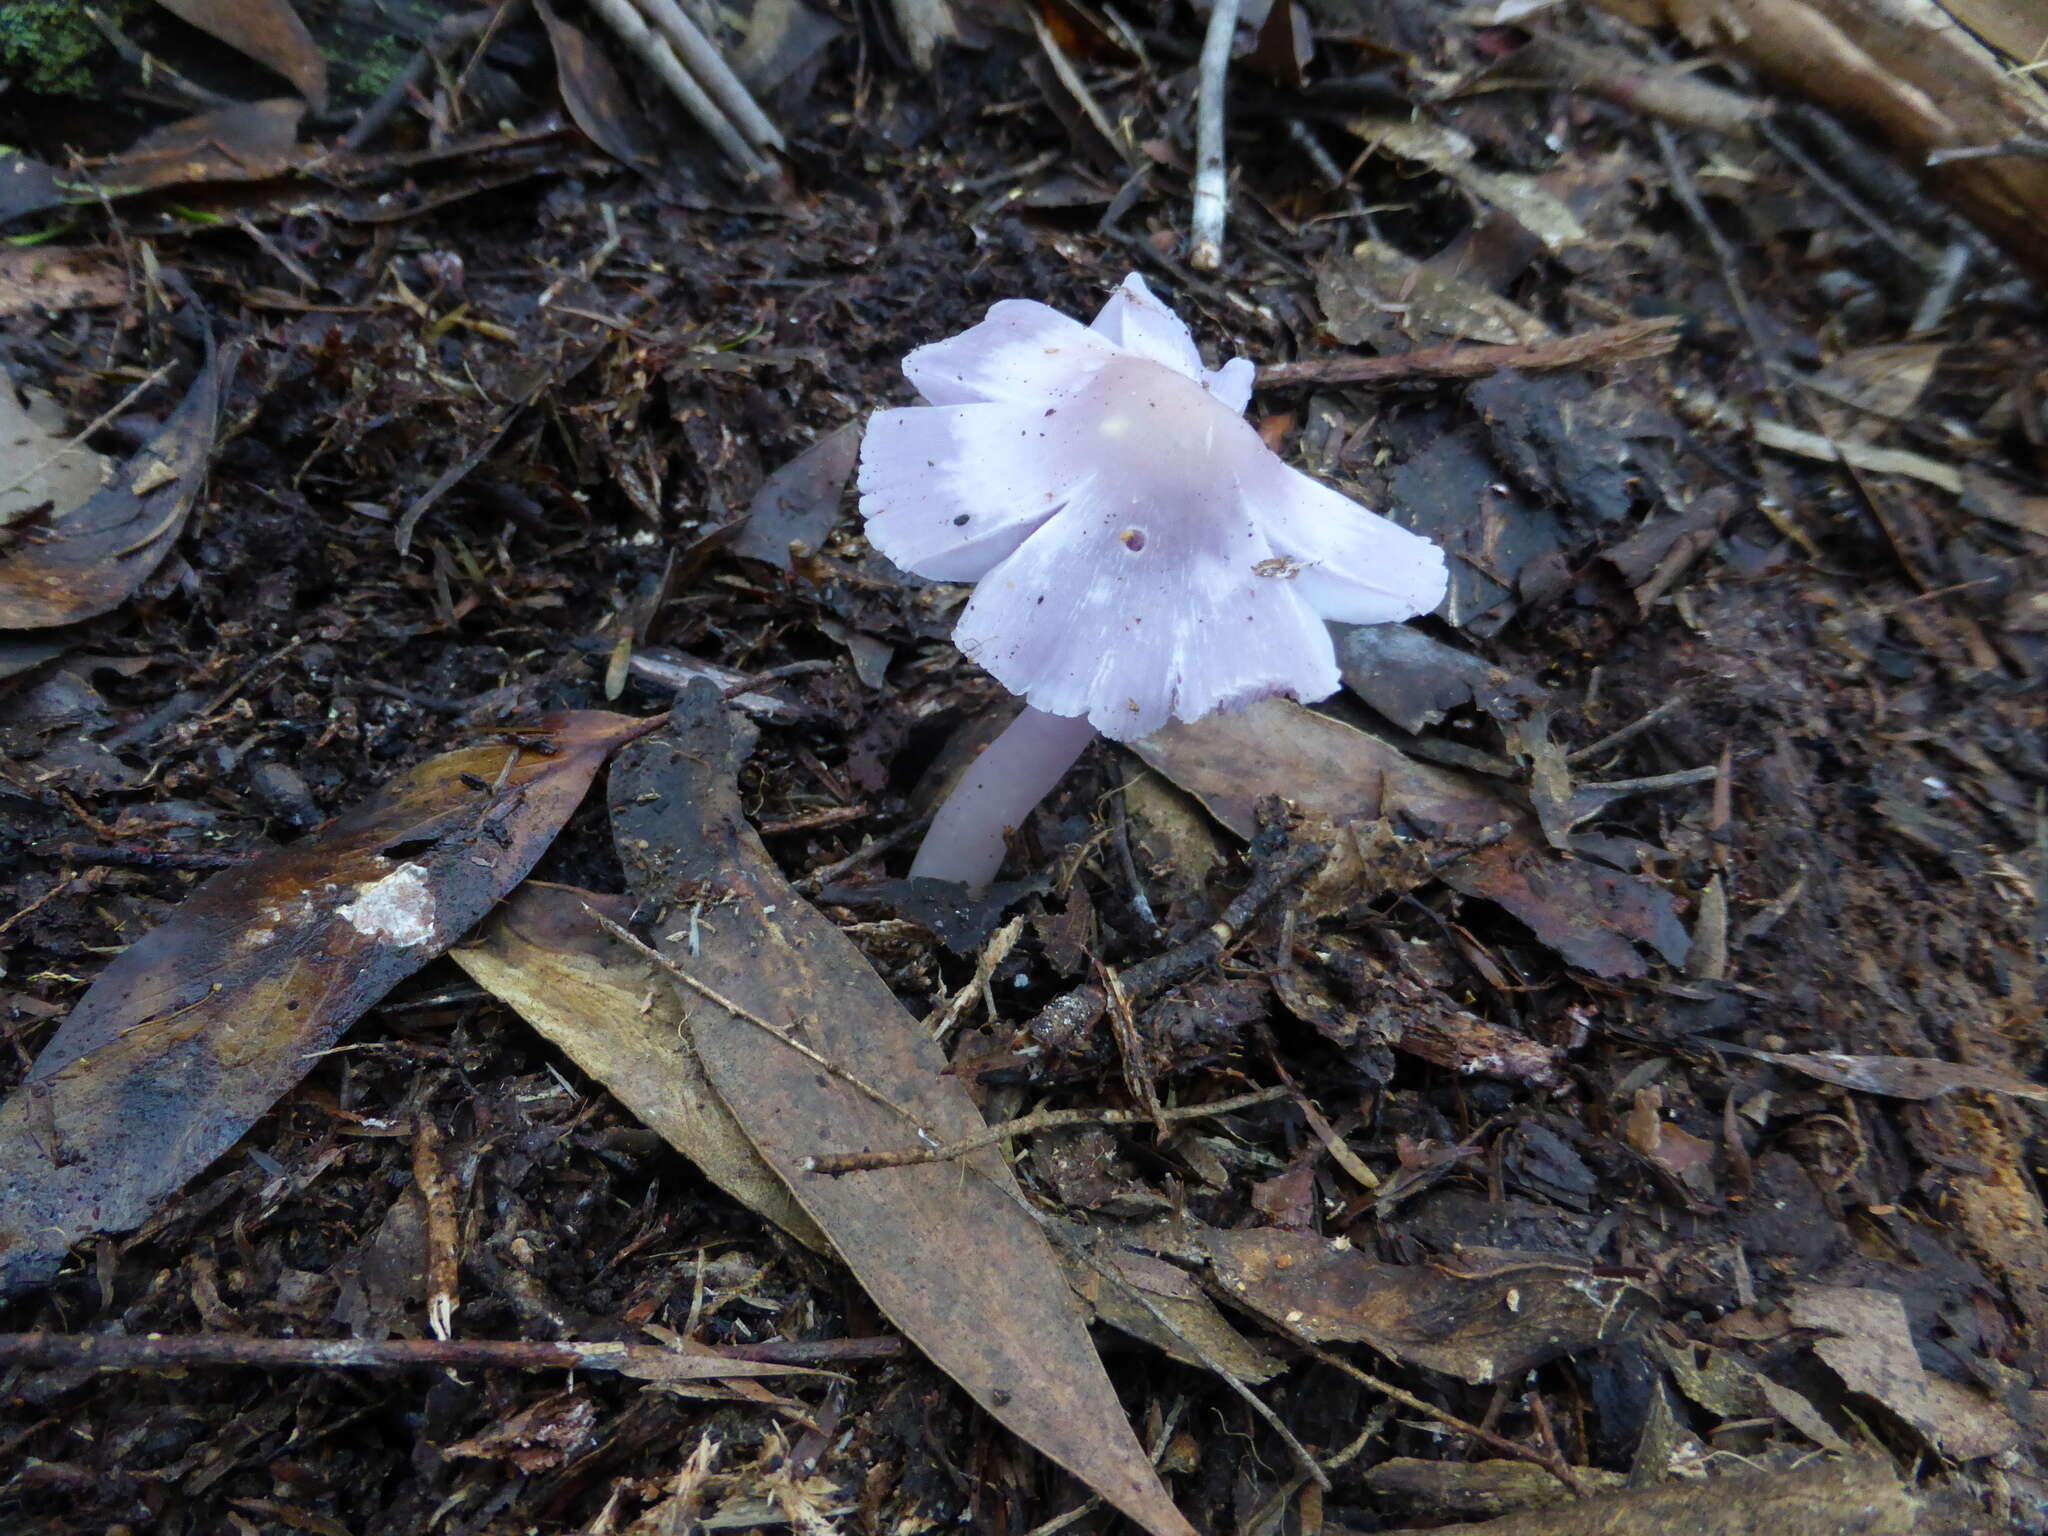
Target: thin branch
1631,341
1554,1464
656,52
155,1352
712,72
837,1163
1064,1020
683,978
1212,172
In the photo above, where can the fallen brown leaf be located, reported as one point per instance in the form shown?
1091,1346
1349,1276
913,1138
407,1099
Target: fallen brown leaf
87,560
594,92
813,1054
57,278
1899,1077
268,31
1593,916
1867,1341
615,1015
201,1024
1481,1320
250,141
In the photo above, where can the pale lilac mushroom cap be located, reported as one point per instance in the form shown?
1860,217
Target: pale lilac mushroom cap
1139,553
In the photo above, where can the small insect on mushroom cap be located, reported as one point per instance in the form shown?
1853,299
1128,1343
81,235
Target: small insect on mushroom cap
1139,553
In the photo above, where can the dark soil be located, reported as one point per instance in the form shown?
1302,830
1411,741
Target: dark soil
1854,651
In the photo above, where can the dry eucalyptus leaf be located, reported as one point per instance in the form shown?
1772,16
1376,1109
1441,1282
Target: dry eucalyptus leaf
268,31
813,1054
615,1015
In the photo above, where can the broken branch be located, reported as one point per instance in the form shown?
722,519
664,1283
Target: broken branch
1631,341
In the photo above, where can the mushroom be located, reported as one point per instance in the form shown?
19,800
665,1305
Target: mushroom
1139,553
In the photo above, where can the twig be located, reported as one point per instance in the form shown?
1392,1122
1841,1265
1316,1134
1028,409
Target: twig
438,1193
1063,1021
823,876
712,72
1909,247
1631,341
1212,172
838,1163
659,56
1627,732
1554,1464
816,1058
1695,207
449,32
755,680
2024,145
1121,840
152,1352
153,69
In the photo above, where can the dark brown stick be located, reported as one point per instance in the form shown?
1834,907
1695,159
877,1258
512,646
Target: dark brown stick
151,1352
1065,1021
1631,341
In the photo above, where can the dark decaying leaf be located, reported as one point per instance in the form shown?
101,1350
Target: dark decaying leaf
1594,916
943,1249
250,141
1482,1318
1191,1330
1559,437
27,186
88,560
543,955
1416,680
1505,548
799,503
268,31
1284,45
203,1023
60,278
594,92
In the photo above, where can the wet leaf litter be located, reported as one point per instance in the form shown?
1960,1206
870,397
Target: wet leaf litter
1597,1046
207,1020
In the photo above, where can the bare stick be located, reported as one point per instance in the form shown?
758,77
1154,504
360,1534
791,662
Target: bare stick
1212,174
1552,1463
837,1163
1065,1021
654,49
824,1063
1631,341
704,61
151,1352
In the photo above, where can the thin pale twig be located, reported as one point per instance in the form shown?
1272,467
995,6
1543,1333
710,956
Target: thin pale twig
1631,341
1212,171
838,1163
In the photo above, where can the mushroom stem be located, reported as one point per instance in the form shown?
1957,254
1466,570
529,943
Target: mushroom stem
1016,771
